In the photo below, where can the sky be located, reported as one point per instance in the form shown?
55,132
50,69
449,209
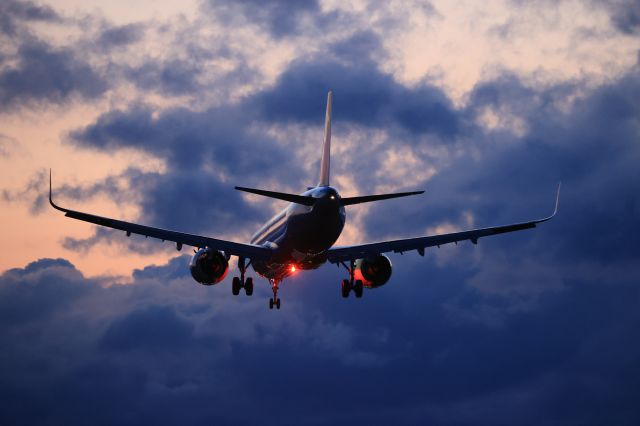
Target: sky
152,111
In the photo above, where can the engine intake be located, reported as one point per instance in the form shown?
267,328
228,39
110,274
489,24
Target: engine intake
209,266
374,271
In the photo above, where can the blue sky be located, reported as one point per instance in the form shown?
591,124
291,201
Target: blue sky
153,113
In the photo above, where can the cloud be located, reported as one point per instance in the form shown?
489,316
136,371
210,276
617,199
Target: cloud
153,329
32,194
625,15
47,74
164,337
13,13
119,335
530,328
280,17
173,77
121,35
367,97
7,146
36,191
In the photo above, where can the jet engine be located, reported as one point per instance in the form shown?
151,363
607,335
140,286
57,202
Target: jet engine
374,271
209,266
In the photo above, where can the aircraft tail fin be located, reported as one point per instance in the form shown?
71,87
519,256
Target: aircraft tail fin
326,147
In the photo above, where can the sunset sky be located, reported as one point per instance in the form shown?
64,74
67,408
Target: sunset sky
151,111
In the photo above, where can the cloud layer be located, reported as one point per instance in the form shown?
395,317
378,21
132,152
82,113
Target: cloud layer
533,328
164,348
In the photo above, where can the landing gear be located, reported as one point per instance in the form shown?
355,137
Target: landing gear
274,301
248,286
236,285
346,287
357,288
351,284
240,282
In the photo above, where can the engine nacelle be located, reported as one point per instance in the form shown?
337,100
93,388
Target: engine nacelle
374,271
209,266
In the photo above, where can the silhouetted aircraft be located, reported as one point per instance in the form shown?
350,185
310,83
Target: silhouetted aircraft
300,237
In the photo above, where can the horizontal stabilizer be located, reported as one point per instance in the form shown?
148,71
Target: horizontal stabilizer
292,198
368,198
310,201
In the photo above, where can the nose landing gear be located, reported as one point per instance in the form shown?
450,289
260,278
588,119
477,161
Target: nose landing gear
274,301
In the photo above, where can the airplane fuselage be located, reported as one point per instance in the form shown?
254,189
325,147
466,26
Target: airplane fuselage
300,235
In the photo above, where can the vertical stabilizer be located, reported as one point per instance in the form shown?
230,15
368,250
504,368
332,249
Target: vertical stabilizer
326,147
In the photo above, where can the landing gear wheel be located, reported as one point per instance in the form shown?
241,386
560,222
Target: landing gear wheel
346,287
235,286
274,300
248,286
357,288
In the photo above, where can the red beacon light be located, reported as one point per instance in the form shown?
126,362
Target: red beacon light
292,268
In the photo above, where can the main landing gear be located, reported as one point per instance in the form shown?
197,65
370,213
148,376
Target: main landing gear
351,283
240,282
274,301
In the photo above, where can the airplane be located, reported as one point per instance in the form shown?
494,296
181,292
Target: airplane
300,237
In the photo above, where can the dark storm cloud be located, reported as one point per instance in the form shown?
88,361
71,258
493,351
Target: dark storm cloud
174,77
367,96
174,269
625,15
280,17
76,351
119,36
362,46
14,13
220,137
47,74
155,328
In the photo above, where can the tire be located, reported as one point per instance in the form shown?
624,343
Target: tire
248,286
235,286
278,303
271,303
357,288
346,287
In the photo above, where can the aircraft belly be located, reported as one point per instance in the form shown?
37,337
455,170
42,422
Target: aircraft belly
303,244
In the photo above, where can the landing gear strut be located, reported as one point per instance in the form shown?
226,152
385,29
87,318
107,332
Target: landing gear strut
239,283
351,283
274,301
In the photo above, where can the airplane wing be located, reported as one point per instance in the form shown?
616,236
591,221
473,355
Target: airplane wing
342,254
249,251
